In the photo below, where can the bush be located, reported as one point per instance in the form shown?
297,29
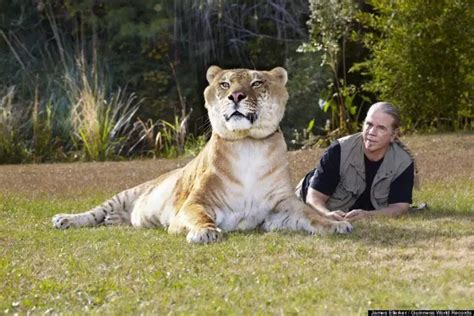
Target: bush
307,79
422,59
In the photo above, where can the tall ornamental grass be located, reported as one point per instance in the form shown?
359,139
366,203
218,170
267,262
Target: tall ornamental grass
12,149
99,119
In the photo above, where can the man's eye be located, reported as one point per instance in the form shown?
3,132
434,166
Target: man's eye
257,84
224,85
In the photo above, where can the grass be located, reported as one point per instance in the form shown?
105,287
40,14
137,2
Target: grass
420,261
100,122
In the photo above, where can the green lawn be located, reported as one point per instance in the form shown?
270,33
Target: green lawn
420,261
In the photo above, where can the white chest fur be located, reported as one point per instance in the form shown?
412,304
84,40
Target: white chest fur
247,203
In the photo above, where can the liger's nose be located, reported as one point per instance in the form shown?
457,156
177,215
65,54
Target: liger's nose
237,97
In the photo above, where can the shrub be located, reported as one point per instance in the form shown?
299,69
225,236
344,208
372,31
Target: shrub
421,59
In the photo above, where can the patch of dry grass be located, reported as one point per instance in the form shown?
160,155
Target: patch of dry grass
440,158
76,179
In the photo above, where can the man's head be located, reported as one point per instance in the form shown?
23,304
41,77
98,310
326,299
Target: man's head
381,127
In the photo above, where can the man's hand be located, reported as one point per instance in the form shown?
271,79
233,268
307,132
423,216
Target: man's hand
356,215
336,215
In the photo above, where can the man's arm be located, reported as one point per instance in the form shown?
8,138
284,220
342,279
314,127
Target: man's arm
324,182
399,198
318,201
392,210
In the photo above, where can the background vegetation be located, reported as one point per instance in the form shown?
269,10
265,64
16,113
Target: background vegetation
96,80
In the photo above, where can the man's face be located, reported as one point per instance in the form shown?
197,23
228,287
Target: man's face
377,131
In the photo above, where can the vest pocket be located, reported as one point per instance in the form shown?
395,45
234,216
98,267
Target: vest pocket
347,191
381,192
344,192
342,198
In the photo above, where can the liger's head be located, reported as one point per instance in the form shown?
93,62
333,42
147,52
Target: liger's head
245,103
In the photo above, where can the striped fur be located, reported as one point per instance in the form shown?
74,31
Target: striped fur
239,181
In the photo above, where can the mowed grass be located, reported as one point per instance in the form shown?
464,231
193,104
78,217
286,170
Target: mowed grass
423,260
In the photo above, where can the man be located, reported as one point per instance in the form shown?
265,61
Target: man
365,174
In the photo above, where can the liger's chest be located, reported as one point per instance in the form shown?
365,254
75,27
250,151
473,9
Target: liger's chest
251,190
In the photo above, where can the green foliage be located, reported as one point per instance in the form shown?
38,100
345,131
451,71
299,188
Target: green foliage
169,138
347,95
422,60
330,24
12,148
43,144
164,139
136,38
99,119
306,82
194,144
132,44
28,131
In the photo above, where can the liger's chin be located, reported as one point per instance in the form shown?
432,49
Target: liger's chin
238,124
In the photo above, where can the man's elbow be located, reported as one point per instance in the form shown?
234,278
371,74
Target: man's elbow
400,209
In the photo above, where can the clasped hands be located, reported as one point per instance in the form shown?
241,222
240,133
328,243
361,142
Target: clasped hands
351,216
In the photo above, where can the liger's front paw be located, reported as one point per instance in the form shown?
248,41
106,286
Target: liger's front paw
343,227
204,236
61,221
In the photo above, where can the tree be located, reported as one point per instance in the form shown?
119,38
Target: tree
330,26
422,58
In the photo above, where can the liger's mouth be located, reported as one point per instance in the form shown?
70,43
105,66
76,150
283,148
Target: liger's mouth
252,117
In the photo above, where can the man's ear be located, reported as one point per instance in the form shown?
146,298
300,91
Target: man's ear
212,72
281,74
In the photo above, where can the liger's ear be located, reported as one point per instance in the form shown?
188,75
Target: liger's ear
281,74
212,72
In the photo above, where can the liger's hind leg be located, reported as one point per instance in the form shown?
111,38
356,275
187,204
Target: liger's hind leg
115,211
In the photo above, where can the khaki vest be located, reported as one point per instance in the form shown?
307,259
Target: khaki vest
352,174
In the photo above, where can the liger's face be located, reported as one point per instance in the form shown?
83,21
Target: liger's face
245,102
378,132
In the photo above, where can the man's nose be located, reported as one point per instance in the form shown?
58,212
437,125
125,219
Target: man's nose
372,130
237,97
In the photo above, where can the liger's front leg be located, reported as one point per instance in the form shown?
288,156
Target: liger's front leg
291,213
198,222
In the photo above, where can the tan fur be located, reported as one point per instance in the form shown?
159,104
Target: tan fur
239,181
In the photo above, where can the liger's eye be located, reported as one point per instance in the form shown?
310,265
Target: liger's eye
224,85
257,84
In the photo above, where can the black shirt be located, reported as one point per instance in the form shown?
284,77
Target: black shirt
325,179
